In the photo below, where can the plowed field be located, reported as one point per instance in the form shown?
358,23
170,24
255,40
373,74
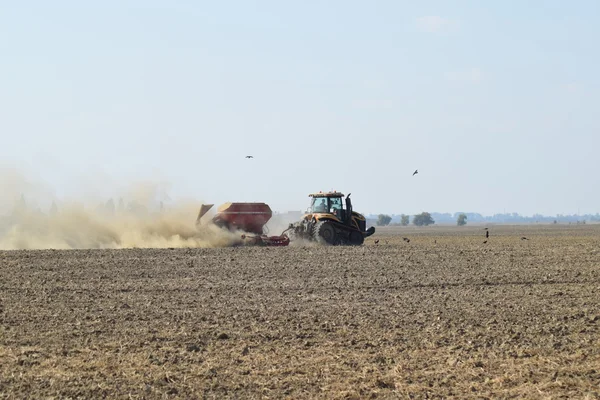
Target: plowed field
442,315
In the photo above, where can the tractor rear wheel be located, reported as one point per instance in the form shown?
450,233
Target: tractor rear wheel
325,233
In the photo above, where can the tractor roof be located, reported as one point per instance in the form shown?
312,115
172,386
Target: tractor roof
326,194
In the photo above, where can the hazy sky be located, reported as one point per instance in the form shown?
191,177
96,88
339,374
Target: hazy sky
495,102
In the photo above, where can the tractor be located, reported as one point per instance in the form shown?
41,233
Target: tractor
331,222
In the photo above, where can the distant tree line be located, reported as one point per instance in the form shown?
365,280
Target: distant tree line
508,218
107,208
422,219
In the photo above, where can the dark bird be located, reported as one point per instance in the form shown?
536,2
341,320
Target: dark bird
487,234
485,241
416,172
249,156
377,241
485,229
407,240
524,238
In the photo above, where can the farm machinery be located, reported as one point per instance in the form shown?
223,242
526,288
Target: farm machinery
329,220
249,218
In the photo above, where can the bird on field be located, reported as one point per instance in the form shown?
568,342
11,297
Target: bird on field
485,229
249,156
407,240
524,238
377,241
487,234
416,172
485,241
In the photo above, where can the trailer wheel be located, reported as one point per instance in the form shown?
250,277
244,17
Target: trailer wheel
325,233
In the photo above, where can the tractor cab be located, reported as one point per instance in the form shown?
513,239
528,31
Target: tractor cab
331,203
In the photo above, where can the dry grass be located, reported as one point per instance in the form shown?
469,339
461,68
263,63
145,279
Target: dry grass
442,316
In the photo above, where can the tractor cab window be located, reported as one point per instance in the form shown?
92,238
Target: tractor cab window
332,205
319,205
335,203
336,207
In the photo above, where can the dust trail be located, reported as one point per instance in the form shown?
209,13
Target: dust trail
146,218
78,228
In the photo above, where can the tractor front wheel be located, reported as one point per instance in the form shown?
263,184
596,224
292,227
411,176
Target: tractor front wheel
325,233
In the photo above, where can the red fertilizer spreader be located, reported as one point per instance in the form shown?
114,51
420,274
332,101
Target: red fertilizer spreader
249,218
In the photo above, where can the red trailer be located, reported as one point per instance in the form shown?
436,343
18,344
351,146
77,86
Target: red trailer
249,218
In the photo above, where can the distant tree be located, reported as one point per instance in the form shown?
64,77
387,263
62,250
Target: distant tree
109,207
423,219
20,206
383,220
461,220
404,220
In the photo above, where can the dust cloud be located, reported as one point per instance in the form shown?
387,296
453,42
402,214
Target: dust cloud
32,217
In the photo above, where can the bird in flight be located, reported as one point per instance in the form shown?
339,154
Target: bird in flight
416,172
249,156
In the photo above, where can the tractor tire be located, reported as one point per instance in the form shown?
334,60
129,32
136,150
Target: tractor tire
325,233
356,238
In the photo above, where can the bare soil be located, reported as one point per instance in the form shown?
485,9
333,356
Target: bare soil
443,315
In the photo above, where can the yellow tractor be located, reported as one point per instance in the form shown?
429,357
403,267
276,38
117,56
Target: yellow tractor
331,222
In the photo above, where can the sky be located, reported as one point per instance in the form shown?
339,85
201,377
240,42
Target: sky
495,103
